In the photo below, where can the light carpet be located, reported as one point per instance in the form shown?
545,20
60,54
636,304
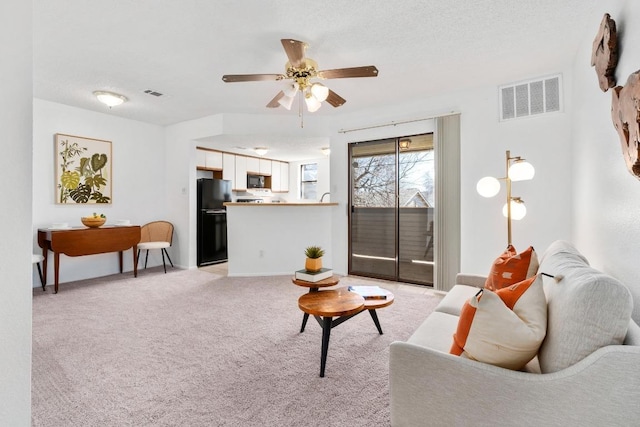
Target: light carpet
189,348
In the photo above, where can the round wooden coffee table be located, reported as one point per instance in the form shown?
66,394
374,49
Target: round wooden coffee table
324,283
373,304
314,287
341,304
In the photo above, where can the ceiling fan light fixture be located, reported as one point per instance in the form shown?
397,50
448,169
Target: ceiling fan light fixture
291,90
110,99
320,91
301,71
312,103
286,101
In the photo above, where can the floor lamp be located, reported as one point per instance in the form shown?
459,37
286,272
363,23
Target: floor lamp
517,169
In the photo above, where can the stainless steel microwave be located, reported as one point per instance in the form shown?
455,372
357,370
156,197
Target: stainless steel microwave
255,181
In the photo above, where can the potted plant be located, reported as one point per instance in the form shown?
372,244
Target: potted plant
314,258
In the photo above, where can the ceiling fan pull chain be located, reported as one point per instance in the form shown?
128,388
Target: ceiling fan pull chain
301,110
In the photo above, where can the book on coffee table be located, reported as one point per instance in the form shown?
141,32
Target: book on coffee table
369,292
314,276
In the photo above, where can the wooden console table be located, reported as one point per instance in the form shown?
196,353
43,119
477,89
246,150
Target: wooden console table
87,241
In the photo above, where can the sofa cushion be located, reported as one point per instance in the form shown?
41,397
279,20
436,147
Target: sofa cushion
503,328
435,332
454,299
587,309
512,267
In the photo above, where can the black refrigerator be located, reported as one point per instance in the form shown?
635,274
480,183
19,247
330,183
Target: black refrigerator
212,220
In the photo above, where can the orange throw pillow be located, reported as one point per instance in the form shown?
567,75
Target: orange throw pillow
512,267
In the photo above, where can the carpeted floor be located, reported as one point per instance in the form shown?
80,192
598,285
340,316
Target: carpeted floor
190,348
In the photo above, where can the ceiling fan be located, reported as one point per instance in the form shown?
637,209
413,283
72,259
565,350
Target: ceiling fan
302,71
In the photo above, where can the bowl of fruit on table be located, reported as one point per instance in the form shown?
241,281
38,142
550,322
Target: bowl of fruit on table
94,221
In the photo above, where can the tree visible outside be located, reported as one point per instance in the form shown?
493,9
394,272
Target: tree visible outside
374,179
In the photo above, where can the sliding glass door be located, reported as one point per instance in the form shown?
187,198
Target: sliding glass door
391,227
373,220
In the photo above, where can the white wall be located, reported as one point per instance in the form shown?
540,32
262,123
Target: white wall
139,181
15,215
607,196
544,141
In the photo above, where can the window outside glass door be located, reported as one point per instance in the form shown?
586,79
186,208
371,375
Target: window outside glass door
391,228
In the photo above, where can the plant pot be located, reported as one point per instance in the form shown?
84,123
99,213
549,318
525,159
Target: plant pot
313,264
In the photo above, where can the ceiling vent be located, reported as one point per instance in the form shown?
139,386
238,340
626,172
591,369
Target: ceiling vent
531,98
153,92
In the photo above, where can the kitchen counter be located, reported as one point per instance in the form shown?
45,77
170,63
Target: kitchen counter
267,239
281,204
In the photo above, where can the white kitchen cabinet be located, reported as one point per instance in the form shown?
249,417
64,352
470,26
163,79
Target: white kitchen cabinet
229,168
240,181
265,167
201,158
276,184
284,176
213,160
206,159
253,165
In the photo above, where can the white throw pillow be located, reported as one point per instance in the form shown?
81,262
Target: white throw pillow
503,328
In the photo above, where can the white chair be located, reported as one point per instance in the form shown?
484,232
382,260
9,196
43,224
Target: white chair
37,259
156,235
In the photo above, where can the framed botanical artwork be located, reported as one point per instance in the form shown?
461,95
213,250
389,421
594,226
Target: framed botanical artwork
83,170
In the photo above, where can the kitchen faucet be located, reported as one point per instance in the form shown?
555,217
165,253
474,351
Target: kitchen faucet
322,197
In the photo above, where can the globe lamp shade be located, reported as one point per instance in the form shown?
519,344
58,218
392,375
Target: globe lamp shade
488,186
521,171
518,210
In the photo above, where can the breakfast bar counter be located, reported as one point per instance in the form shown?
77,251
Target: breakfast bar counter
267,239
253,204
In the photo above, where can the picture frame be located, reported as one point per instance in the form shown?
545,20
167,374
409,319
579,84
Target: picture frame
83,170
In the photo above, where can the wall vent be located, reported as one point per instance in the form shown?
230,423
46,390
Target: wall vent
153,92
531,98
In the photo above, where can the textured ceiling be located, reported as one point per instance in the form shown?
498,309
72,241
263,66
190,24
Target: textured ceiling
182,49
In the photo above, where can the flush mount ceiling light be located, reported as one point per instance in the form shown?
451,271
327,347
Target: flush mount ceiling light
110,99
261,151
404,143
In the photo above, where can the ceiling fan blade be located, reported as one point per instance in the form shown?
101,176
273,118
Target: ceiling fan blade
341,73
274,102
233,78
294,50
334,99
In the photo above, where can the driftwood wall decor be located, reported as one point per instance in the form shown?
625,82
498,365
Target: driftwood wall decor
625,101
604,55
625,112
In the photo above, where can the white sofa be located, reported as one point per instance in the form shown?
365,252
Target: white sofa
586,373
